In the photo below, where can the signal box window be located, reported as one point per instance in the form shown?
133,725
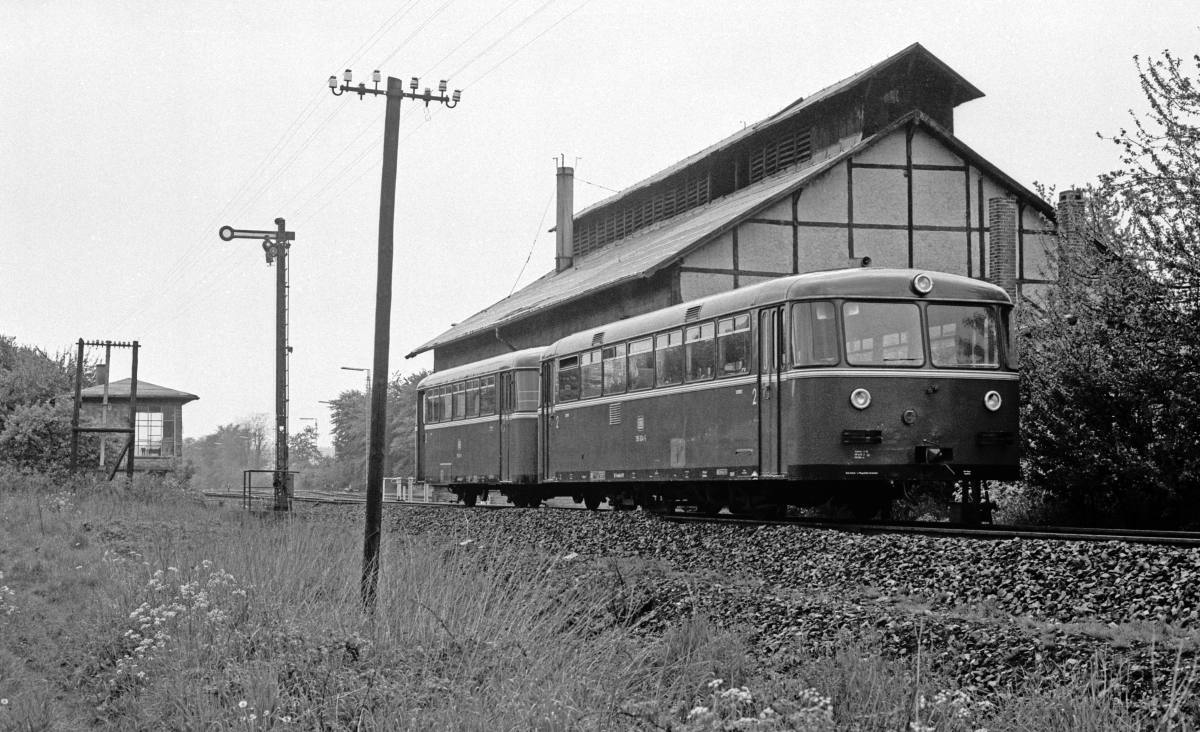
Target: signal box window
155,436
733,345
472,398
963,336
700,352
815,334
641,364
883,334
668,358
487,395
592,374
568,379
614,369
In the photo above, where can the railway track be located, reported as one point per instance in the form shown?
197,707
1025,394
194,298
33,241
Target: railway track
919,528
982,531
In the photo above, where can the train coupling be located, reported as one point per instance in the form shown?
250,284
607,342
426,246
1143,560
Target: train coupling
933,455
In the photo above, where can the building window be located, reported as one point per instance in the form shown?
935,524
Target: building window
155,433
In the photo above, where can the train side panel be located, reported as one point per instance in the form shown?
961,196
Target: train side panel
701,431
463,452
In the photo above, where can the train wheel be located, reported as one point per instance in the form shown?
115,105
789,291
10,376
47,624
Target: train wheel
592,501
709,510
469,499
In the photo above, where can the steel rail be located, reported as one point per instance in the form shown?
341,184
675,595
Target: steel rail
931,528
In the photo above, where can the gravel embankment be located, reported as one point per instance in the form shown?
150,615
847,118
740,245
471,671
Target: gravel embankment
990,613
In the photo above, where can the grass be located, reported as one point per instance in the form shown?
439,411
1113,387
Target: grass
140,607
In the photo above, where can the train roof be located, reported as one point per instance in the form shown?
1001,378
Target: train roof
851,283
529,358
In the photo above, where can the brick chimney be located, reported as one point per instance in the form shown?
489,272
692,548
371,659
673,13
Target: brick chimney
564,225
1071,215
1002,244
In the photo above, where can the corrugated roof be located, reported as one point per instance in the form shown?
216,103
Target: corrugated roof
146,390
969,92
648,250
639,255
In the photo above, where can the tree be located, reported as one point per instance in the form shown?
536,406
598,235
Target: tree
1111,358
302,449
349,427
402,423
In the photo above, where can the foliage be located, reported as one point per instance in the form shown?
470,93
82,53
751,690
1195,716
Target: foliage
302,449
349,417
1111,359
218,459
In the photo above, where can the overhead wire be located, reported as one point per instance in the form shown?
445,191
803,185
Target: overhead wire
193,253
207,286
532,246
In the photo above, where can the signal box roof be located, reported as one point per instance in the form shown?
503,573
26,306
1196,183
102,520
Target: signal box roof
145,391
843,283
529,358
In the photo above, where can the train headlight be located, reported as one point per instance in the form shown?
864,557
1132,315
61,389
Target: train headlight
992,400
860,398
922,284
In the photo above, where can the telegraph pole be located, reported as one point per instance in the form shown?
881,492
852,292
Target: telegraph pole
383,305
276,245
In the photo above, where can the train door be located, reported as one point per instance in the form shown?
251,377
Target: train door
507,403
544,420
770,341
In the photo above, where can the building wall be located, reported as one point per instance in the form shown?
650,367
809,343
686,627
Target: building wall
862,208
90,414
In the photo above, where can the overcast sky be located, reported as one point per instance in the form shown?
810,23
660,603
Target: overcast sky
130,131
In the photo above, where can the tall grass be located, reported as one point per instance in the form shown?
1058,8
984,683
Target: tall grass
144,608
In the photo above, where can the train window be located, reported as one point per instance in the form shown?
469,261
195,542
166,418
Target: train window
963,336
444,411
460,400
641,364
733,345
883,334
472,398
487,395
814,334
668,357
429,418
568,379
699,352
614,369
592,377
1011,341
527,390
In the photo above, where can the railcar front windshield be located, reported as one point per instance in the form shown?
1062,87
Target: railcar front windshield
963,336
883,334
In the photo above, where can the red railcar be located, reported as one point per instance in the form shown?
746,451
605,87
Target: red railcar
477,425
845,385
838,384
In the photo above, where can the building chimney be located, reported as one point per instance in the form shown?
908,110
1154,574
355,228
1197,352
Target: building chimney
564,226
1002,244
1071,215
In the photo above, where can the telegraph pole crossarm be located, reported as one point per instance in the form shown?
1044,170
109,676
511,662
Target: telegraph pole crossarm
394,94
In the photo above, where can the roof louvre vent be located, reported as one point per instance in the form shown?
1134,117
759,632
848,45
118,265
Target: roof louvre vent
692,313
598,338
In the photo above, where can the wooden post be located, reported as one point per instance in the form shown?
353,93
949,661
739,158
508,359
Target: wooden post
75,415
379,372
132,413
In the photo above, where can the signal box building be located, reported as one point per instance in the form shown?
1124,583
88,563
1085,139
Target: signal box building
869,167
158,437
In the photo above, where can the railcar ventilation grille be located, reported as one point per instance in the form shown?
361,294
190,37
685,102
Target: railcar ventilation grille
614,413
692,313
862,437
996,438
598,338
